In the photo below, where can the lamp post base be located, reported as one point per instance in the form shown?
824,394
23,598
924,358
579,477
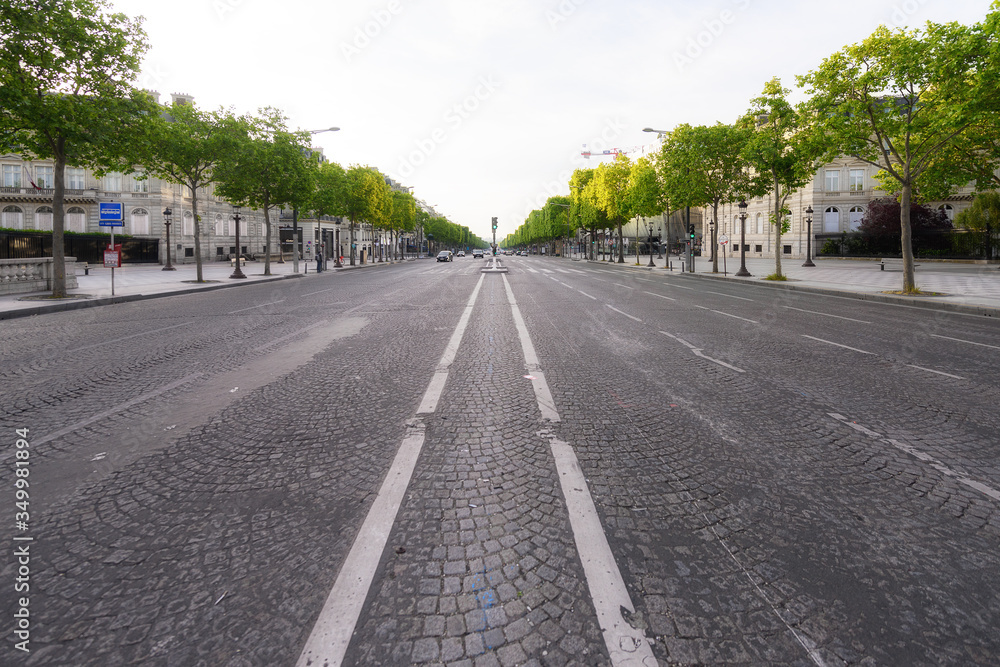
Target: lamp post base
743,273
168,268
808,262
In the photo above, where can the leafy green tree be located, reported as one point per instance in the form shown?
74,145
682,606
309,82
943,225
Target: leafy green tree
404,211
904,100
583,190
330,194
270,167
779,151
712,163
983,215
184,145
367,198
611,191
66,94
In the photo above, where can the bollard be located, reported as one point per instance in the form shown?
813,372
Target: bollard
86,269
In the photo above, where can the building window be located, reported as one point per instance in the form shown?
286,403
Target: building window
218,251
856,215
831,220
856,180
948,211
76,220
758,248
75,178
44,178
220,227
113,182
139,182
13,217
140,221
11,176
786,250
760,223
188,229
189,252
832,180
43,218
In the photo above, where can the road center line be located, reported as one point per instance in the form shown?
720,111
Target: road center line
931,370
331,635
626,645
587,295
620,285
727,314
668,298
830,342
814,312
742,298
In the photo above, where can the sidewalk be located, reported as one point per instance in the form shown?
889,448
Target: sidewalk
146,281
951,286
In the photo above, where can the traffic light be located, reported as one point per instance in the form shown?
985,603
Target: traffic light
691,231
494,223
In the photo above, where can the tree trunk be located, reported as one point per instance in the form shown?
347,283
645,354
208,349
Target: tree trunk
267,238
621,246
777,229
197,233
58,224
352,241
715,230
906,239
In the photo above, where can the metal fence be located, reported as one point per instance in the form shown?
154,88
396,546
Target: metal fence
950,244
85,247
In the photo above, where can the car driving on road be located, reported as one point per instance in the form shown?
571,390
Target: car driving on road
444,256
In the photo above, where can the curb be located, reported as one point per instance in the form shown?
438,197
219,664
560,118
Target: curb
111,300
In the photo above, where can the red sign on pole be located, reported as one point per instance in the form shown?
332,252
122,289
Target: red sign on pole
113,256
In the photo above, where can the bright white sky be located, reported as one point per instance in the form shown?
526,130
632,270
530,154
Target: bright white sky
484,106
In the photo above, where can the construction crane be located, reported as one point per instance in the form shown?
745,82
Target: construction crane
613,152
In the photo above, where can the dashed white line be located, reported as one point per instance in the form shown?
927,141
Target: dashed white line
931,370
625,314
741,298
698,353
727,314
260,305
814,312
830,342
118,340
620,285
668,298
587,295
970,342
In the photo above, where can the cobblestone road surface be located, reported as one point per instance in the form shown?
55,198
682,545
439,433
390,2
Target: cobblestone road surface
782,478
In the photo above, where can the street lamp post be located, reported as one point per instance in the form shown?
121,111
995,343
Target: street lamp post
809,235
743,229
166,223
715,246
336,245
237,272
650,241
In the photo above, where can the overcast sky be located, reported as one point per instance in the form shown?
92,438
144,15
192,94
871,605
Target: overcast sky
484,106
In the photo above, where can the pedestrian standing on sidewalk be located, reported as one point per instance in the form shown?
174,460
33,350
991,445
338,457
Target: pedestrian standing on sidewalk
319,261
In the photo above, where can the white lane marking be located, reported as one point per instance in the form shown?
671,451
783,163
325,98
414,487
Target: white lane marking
260,305
118,340
742,298
931,370
620,285
319,292
839,317
540,386
626,645
330,636
532,270
727,314
970,342
332,632
587,295
698,353
830,342
107,413
916,453
668,298
667,284
625,314
644,280
430,400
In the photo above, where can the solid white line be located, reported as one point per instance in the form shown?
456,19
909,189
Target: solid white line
587,295
330,636
668,298
626,646
970,342
539,385
260,305
830,342
727,314
839,317
118,340
625,314
931,370
742,298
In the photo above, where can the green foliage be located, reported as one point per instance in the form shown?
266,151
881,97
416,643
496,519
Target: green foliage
330,194
985,211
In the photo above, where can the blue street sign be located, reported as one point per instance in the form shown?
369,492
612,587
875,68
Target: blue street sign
111,214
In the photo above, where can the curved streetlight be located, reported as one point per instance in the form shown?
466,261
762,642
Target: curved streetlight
743,228
295,223
809,227
166,223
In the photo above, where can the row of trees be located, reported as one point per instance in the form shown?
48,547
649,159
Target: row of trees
923,106
67,73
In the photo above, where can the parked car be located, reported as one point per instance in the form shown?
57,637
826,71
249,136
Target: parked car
477,253
444,256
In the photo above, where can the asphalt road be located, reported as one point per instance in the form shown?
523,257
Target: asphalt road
568,463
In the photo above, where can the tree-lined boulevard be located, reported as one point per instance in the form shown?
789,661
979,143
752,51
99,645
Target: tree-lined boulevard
779,478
